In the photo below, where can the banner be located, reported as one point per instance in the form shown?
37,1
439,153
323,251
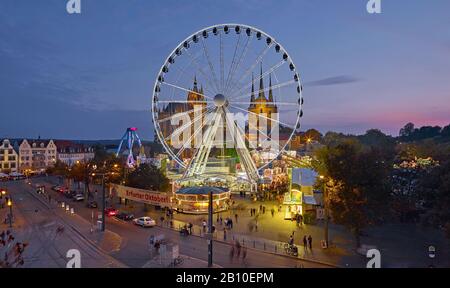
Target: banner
140,195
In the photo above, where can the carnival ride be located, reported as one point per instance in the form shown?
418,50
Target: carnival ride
222,58
130,138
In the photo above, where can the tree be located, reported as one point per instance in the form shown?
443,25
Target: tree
148,177
313,134
407,130
60,168
435,186
359,179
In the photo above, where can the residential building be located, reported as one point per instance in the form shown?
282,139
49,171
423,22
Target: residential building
8,157
36,155
70,152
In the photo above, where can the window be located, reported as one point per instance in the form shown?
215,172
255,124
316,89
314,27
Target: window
13,165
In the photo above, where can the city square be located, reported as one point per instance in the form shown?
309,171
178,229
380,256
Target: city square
212,146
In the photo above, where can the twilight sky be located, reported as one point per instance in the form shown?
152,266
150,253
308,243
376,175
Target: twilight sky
90,76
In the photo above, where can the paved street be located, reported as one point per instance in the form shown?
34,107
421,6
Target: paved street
37,223
128,244
133,250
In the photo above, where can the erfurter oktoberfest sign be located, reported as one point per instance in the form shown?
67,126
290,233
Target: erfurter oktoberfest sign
141,195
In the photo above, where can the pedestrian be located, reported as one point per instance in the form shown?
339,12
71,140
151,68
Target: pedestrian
256,226
231,223
220,220
272,212
190,228
244,253
260,207
235,217
305,242
238,248
291,240
251,212
264,209
224,234
204,226
231,253
310,242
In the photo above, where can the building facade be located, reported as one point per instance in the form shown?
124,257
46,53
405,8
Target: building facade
262,109
36,155
8,157
70,152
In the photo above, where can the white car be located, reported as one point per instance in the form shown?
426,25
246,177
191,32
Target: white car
145,222
78,197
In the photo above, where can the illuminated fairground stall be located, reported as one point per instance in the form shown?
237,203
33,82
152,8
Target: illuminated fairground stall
195,200
300,197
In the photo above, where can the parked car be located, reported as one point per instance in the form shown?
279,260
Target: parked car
111,211
125,216
144,221
78,197
92,204
56,188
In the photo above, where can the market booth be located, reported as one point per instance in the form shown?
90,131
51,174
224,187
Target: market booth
195,200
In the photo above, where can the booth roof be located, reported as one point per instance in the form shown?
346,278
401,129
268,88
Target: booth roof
201,190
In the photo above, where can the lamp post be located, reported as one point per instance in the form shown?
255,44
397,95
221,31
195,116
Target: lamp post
325,205
9,203
210,232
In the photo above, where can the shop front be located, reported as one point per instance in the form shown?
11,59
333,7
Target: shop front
195,200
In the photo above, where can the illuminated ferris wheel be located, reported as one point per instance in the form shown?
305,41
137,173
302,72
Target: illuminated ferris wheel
228,91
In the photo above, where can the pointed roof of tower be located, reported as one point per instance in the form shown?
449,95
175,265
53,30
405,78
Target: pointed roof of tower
261,95
252,98
195,84
270,90
201,95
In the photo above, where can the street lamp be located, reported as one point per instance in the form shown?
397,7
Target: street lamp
325,200
9,203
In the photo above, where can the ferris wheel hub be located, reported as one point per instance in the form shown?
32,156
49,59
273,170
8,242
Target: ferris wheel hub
220,100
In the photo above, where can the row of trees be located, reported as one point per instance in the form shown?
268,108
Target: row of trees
410,133
359,173
144,176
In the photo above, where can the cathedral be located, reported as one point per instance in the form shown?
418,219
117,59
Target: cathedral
261,105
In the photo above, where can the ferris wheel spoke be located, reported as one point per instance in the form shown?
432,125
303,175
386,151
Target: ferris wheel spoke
187,90
186,125
271,103
184,72
243,54
233,63
252,67
221,64
267,136
200,69
287,83
260,115
211,66
190,139
267,72
170,117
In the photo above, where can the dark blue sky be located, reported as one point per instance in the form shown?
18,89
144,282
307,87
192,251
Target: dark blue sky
90,76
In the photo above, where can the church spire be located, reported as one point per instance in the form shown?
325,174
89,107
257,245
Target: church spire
261,86
270,90
195,84
252,98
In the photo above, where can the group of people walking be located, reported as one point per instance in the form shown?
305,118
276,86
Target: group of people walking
236,249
